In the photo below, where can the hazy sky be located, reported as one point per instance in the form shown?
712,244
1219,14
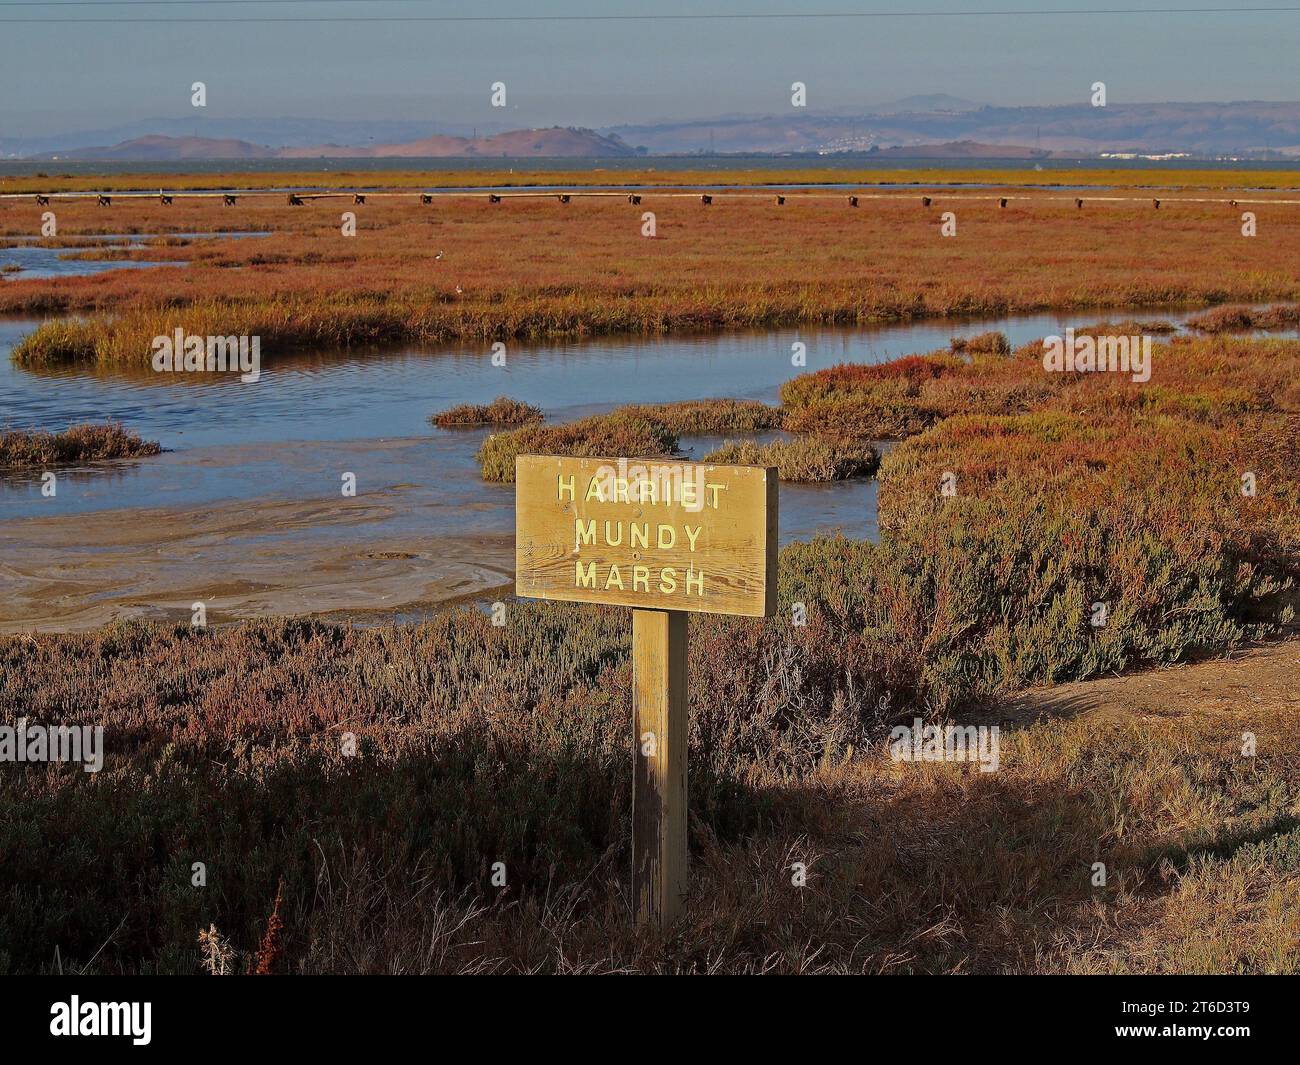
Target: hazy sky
57,75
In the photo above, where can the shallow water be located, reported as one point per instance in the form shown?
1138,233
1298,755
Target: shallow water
310,418
41,262
37,262
244,511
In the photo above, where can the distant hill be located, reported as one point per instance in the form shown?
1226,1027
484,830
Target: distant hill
1204,129
933,126
168,149
559,142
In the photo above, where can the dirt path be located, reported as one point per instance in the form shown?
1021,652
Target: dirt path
1257,680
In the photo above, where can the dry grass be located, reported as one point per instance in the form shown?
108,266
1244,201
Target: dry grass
78,443
501,411
709,417
618,434
479,744
1244,319
991,343
803,459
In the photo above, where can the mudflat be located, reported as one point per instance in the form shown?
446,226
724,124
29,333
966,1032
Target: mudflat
80,571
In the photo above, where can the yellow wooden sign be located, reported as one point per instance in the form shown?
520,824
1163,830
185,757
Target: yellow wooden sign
647,533
665,538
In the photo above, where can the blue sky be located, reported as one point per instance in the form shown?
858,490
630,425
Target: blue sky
60,76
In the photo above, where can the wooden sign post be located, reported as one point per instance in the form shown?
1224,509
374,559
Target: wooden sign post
667,539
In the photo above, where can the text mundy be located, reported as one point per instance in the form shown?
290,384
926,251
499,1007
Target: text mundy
659,490
1119,354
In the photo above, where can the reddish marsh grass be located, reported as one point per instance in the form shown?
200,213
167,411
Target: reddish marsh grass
531,269
1221,378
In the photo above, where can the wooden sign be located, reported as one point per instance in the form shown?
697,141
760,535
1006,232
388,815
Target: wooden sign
665,538
646,533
